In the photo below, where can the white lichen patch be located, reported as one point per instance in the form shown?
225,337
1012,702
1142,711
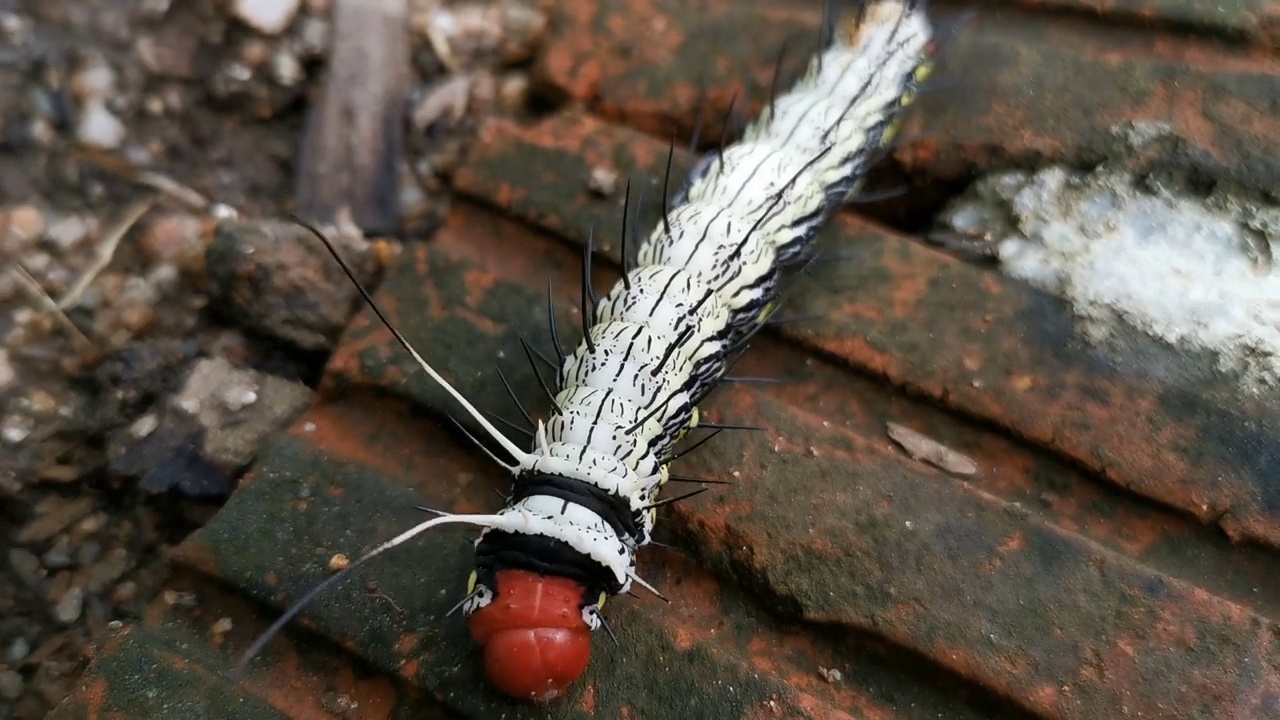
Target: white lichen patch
1199,272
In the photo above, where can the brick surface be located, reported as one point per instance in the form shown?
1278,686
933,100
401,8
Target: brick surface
1027,591
1021,86
172,664
1143,418
1113,556
353,479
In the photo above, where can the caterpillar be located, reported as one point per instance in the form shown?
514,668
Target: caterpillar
584,498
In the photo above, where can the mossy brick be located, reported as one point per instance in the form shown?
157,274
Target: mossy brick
832,528
177,662
1022,82
349,475
839,528
1143,416
1252,20
141,673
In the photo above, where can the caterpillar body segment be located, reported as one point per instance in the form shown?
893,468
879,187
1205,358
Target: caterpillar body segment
585,495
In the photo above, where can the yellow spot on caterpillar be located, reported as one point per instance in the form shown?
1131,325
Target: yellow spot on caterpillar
694,417
471,582
663,475
600,602
908,97
890,132
768,311
922,72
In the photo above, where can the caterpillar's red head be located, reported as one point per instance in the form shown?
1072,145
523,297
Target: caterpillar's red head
536,641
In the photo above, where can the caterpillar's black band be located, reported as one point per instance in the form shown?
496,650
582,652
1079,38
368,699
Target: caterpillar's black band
614,509
500,550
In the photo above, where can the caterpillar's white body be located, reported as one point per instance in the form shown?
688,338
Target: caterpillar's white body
661,338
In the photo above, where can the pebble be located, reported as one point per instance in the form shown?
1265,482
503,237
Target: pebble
221,627
286,68
7,373
67,232
88,553
27,566
20,227
16,428
176,239
58,517
465,34
58,556
269,17
92,524
513,92
11,684
124,593
603,181
70,605
95,80
109,570
99,127
18,651
267,276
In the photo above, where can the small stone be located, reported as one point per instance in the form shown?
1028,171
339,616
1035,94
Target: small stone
136,316
57,518
339,562
58,556
108,570
239,396
124,593
513,92
176,239
99,127
20,228
221,627
603,181
313,36
67,232
180,599
70,605
42,402
18,651
27,566
338,703
145,425
16,428
467,34
92,524
7,373
286,69
11,684
269,17
88,553
267,276
95,80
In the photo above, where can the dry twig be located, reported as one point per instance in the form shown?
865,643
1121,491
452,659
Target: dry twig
106,252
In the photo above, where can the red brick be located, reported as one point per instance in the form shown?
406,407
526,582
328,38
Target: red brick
833,527
348,477
1021,86
974,339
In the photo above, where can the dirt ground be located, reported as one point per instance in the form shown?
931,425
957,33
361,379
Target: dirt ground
129,130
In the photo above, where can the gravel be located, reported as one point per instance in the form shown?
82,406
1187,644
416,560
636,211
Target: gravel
146,354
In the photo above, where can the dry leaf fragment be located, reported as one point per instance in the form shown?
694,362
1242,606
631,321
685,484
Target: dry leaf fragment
926,449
